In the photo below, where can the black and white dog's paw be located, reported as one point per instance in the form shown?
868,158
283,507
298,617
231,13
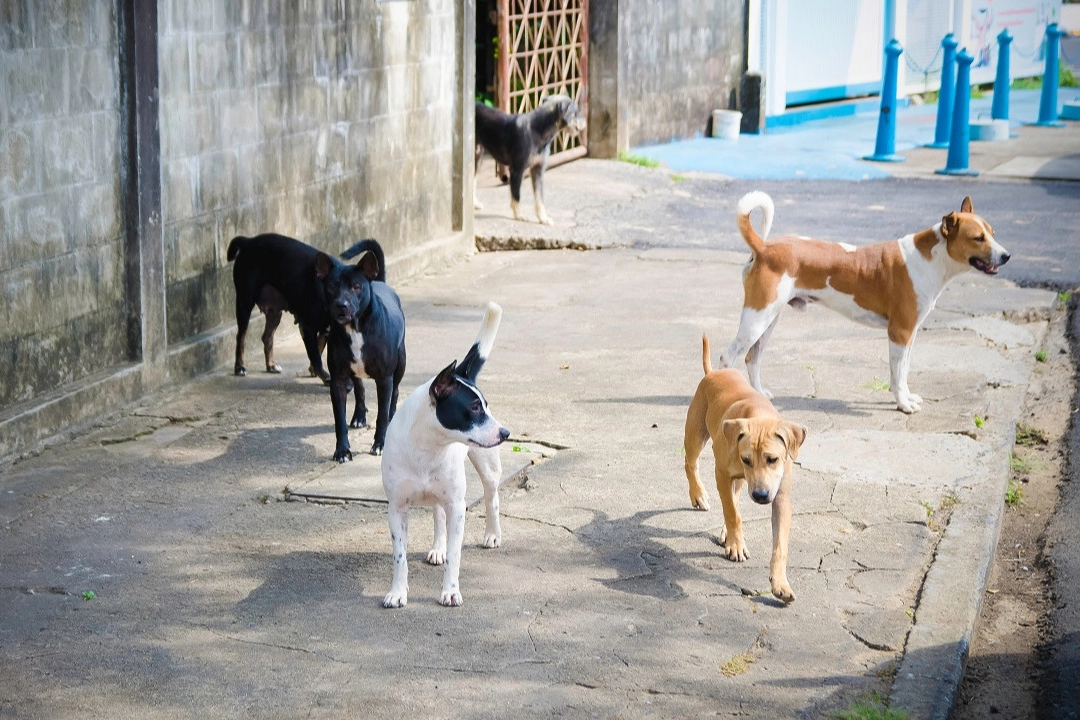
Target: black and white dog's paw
396,599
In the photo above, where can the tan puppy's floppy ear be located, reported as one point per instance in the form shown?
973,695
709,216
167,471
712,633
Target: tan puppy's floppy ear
792,435
949,223
733,430
965,206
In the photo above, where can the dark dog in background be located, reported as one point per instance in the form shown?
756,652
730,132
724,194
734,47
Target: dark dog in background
523,142
277,273
366,339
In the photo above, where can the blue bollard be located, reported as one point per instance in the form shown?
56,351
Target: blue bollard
956,163
884,149
1000,108
1048,112
945,94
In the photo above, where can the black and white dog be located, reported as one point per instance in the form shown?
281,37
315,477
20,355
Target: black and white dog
367,339
441,422
523,142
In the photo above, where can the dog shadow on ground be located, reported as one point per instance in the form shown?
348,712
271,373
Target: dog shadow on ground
254,454
646,565
828,406
295,583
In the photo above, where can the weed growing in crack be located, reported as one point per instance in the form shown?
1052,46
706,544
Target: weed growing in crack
1014,495
871,707
1027,436
877,384
1019,465
1040,355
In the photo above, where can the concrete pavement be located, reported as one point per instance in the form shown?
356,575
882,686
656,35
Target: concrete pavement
214,596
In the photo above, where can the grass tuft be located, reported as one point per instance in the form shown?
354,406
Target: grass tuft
1014,495
871,708
1027,436
640,160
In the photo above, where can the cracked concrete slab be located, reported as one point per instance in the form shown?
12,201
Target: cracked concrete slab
894,459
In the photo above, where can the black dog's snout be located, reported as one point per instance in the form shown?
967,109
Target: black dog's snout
760,496
503,434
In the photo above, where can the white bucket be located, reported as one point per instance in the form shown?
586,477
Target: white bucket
989,130
726,123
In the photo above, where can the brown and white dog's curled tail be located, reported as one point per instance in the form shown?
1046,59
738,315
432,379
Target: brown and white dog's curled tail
749,202
705,361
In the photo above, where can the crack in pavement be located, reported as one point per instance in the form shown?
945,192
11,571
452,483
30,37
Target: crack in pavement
277,646
537,521
870,644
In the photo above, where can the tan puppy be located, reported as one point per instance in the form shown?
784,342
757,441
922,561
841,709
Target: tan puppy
752,445
891,285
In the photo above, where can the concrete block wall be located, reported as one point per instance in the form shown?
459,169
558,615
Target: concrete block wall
137,138
687,64
325,120
657,70
62,293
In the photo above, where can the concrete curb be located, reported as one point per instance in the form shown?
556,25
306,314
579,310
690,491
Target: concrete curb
950,600
951,597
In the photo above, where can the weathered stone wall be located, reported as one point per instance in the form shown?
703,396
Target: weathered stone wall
137,138
62,295
657,70
327,121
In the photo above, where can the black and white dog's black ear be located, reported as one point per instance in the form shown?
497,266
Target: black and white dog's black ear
443,384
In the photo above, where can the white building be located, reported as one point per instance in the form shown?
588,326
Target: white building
813,51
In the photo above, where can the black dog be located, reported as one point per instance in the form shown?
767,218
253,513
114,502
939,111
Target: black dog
277,273
523,142
367,339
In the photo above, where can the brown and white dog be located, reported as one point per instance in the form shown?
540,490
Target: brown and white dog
752,444
892,284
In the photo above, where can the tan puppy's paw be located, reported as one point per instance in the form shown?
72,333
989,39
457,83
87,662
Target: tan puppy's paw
699,502
735,550
783,591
